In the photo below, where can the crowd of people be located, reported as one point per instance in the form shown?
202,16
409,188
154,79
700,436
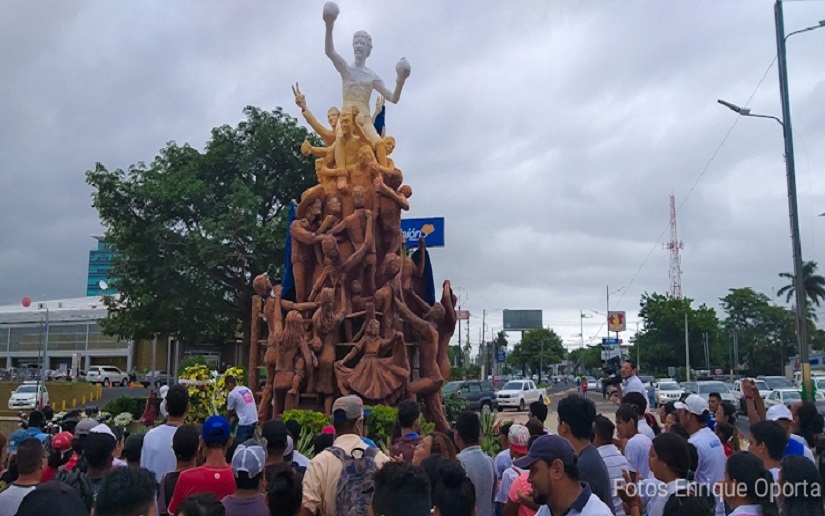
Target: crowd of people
684,460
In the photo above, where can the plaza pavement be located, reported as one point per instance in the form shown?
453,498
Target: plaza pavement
604,407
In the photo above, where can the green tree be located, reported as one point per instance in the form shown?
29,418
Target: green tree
192,229
538,347
764,332
662,341
586,359
813,282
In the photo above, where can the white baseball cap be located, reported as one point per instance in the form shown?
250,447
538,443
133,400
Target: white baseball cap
778,412
163,390
103,429
694,404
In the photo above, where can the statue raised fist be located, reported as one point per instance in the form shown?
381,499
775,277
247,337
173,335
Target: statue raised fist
402,68
331,12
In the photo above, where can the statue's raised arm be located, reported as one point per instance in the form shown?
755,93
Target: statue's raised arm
330,15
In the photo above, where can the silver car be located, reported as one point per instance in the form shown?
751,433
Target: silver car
107,376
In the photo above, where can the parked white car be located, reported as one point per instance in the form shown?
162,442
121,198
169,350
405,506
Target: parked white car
518,394
668,390
787,397
107,376
26,396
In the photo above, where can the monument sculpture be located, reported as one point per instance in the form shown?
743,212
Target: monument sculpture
350,317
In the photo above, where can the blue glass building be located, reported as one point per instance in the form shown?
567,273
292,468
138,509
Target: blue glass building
100,263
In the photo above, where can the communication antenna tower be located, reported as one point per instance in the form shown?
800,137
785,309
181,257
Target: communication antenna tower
674,246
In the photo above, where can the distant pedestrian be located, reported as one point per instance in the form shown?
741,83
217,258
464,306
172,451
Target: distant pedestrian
150,413
240,403
157,455
408,418
478,465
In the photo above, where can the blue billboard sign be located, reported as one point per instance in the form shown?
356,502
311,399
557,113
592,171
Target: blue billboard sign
432,229
501,355
611,341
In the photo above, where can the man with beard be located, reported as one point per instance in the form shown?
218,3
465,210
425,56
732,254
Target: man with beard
554,477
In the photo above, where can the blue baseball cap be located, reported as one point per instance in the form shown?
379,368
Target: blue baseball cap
18,437
549,448
215,429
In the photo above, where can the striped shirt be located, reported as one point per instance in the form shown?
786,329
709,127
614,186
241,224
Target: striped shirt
615,462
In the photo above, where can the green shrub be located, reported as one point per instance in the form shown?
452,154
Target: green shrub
490,442
454,405
134,406
189,361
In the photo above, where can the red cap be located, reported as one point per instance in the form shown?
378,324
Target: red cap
62,441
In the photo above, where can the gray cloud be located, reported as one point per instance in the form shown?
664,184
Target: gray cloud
549,136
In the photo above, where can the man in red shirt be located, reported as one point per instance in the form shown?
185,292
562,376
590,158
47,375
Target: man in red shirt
215,476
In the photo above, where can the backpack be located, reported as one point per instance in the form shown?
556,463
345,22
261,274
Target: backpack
355,487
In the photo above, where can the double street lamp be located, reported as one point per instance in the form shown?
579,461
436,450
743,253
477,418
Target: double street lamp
790,172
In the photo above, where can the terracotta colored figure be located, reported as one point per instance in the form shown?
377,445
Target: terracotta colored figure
359,227
326,324
446,326
389,282
304,257
380,375
363,174
292,357
429,384
388,205
333,115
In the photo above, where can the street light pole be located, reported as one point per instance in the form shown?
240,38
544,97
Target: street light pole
790,172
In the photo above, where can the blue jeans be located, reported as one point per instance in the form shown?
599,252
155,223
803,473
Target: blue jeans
244,432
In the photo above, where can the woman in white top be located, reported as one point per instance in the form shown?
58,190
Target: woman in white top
672,463
748,487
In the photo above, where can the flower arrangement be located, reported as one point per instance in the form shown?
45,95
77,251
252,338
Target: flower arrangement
104,417
123,419
207,390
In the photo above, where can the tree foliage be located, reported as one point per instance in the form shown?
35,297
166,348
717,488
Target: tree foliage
764,332
662,341
813,282
538,347
193,228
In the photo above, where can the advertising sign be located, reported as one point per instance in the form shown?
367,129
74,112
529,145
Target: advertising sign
500,356
521,320
611,341
462,315
432,229
616,321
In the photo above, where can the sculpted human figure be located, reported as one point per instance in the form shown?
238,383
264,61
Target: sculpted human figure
303,231
380,375
391,198
292,357
359,227
388,281
333,114
358,81
336,269
326,324
363,174
428,386
446,326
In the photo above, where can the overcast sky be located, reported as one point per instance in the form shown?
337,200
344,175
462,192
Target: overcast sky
548,134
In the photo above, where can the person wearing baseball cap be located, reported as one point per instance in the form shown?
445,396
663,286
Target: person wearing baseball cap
216,475
782,415
248,464
693,413
61,453
518,437
554,475
324,471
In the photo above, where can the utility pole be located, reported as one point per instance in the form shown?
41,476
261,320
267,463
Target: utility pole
790,172
687,350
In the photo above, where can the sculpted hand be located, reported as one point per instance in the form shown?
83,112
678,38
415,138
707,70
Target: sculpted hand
306,148
402,69
331,12
379,103
378,181
300,99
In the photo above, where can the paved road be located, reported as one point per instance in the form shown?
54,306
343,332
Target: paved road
112,393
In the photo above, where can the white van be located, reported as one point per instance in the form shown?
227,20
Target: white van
817,376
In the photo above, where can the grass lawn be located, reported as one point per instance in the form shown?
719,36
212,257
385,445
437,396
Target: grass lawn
58,393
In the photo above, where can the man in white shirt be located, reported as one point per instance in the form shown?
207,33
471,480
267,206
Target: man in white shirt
554,477
638,445
630,382
613,459
240,403
157,455
693,414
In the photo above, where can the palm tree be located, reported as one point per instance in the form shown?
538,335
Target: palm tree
814,284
